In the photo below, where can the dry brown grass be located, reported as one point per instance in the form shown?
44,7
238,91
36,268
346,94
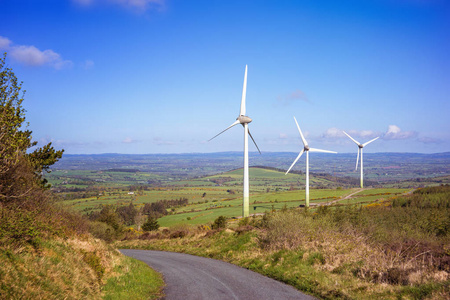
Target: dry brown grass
57,270
346,249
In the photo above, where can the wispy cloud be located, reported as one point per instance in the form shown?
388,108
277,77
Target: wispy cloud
88,64
32,56
295,96
429,140
333,133
4,43
160,141
129,140
140,5
395,133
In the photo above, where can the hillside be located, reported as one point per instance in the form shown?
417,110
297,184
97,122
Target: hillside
81,171
394,248
47,252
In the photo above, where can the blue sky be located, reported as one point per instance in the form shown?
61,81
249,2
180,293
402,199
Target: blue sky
164,76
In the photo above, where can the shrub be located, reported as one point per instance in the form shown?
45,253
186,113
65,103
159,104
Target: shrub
150,236
150,225
219,223
102,231
244,221
178,234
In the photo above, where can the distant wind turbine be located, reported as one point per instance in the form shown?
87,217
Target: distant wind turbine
360,150
244,120
306,149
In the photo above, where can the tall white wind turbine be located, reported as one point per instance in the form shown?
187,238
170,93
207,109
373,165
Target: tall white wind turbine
306,149
360,150
244,120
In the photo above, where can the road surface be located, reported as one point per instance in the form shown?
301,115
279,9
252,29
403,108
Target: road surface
192,277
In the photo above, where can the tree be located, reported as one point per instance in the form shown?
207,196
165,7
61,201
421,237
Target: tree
151,224
219,223
139,219
109,216
15,140
127,214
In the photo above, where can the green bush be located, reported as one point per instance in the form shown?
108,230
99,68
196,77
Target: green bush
102,231
150,225
219,223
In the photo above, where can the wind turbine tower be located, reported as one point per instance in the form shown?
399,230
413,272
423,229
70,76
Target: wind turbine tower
306,149
244,120
360,150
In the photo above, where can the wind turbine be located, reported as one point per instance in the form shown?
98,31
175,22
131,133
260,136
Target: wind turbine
360,150
244,120
306,149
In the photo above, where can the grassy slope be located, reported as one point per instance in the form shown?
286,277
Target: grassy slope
387,251
77,268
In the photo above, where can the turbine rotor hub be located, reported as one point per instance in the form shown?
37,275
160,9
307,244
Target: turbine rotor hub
306,148
360,146
244,119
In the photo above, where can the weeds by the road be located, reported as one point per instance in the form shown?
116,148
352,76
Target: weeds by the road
392,250
134,280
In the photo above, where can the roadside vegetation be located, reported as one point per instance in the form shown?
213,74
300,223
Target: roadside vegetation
397,248
47,252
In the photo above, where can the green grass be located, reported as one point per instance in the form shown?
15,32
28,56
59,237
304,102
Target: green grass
135,281
218,201
221,194
387,191
396,249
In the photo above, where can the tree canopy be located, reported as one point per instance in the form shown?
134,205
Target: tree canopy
20,167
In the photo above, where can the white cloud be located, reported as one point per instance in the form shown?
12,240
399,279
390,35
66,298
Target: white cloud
336,133
88,64
32,56
140,5
296,95
283,136
4,43
429,140
333,132
395,133
128,140
160,141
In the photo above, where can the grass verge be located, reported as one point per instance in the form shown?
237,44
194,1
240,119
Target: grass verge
396,249
135,280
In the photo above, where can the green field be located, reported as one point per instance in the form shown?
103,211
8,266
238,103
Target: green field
221,194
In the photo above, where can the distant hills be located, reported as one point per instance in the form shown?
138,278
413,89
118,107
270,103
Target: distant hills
378,167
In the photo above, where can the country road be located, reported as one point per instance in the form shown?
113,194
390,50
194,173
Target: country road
192,277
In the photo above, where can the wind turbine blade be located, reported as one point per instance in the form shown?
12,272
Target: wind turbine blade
244,92
357,160
298,157
235,123
301,134
320,150
254,141
356,142
365,144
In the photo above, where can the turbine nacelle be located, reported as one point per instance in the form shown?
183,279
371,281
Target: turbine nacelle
244,119
306,148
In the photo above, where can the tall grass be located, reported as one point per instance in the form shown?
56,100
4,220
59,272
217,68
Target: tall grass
388,250
135,280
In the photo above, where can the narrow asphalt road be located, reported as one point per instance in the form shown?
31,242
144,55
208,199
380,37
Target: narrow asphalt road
192,277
